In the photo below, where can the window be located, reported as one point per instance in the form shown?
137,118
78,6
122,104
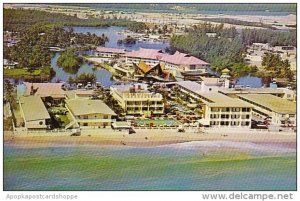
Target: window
192,67
235,123
246,109
85,124
214,116
214,109
41,123
235,109
226,109
105,117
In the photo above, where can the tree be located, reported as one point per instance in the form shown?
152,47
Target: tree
276,66
9,94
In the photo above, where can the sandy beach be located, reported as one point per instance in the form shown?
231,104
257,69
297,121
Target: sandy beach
146,139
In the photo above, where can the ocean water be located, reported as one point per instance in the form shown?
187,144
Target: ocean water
186,166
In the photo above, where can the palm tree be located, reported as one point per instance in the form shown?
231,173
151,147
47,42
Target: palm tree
9,93
177,91
199,107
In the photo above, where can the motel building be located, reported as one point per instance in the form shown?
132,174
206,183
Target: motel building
34,113
279,111
90,113
178,61
218,110
109,52
136,100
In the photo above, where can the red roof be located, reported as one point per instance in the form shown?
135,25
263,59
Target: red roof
177,58
111,50
45,89
145,53
182,58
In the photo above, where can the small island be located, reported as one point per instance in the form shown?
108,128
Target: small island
69,61
127,41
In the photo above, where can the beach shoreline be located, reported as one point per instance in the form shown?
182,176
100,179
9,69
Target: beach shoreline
146,139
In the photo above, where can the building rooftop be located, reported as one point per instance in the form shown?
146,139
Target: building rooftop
211,81
144,67
146,54
251,91
190,85
131,88
110,50
85,106
213,99
271,102
177,58
184,59
45,89
33,108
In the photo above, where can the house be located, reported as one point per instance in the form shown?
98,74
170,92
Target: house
34,113
266,106
90,113
136,100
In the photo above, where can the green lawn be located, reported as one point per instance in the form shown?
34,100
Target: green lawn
64,120
19,72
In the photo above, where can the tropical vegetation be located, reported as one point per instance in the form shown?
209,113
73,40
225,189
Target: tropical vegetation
250,36
227,48
18,20
83,78
277,67
69,61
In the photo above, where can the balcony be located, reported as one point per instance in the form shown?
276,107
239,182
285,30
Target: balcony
95,120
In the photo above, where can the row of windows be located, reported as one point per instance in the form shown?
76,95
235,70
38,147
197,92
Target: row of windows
227,123
93,117
92,124
144,102
227,109
144,108
226,116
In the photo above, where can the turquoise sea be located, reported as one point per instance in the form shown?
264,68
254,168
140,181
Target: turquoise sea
186,166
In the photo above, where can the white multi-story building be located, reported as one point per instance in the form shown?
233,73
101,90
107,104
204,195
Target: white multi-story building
281,112
135,99
90,113
218,110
